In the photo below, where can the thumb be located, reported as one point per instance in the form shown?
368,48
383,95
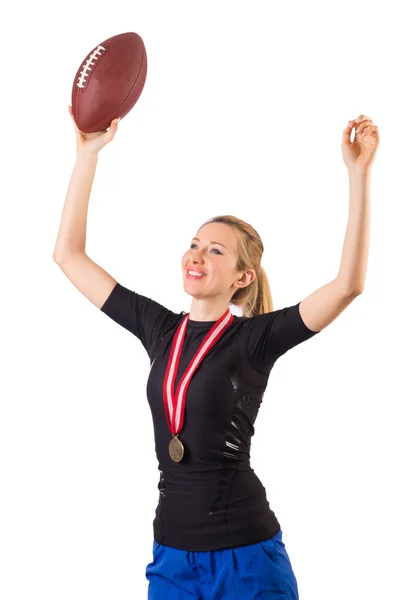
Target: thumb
347,132
113,128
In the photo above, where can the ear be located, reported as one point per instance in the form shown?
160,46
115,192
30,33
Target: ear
246,278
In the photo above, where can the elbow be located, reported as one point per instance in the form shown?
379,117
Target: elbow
350,288
60,256
355,292
56,258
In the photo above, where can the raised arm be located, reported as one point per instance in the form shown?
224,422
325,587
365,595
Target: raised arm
322,306
69,252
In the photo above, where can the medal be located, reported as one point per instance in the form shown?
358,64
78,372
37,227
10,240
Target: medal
176,449
175,403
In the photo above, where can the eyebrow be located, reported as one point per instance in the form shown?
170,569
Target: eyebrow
212,242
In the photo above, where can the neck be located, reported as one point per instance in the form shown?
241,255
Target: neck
207,309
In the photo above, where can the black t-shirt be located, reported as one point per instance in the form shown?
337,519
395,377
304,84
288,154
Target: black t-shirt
212,498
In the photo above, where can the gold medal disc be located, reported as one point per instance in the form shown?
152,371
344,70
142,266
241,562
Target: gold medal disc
176,449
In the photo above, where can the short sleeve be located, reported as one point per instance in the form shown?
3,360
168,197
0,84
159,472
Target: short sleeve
270,335
142,316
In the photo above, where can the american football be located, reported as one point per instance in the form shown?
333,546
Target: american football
109,82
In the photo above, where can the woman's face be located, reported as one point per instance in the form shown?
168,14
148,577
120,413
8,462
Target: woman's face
215,260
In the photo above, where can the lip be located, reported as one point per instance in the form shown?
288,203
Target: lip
193,269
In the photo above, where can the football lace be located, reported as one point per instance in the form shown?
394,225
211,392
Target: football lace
86,67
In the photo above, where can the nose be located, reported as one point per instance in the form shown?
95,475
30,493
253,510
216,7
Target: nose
196,257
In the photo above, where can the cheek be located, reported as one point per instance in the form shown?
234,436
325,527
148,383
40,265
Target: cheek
218,273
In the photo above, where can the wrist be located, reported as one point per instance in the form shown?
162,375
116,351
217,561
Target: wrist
86,155
359,172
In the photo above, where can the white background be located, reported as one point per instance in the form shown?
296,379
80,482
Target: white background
242,113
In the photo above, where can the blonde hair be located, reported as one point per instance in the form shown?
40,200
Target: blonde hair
254,299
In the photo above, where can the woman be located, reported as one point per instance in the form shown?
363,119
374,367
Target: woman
215,535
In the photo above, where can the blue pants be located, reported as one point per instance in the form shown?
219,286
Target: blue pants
261,571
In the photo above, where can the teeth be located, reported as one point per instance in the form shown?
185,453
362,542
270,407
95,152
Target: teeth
195,273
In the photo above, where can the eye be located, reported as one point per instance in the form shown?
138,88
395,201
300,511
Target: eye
212,248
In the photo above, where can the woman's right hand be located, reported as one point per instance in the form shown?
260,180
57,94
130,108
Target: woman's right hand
93,142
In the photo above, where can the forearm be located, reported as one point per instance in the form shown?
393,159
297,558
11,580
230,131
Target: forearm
354,261
73,227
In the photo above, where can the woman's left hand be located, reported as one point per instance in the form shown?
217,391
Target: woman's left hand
360,153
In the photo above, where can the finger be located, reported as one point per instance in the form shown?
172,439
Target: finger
364,123
355,123
347,131
362,118
371,129
113,123
113,127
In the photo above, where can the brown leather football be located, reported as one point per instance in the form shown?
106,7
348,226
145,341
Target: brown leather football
109,82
